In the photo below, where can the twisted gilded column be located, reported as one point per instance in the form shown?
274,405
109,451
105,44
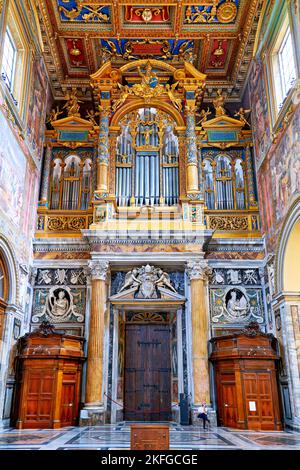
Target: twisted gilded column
198,272
192,158
93,394
44,195
103,151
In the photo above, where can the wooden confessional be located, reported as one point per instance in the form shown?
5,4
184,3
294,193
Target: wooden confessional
245,365
48,379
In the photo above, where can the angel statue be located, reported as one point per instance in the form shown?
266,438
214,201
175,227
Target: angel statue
203,115
171,94
125,92
164,280
54,114
241,114
72,104
218,103
91,116
131,280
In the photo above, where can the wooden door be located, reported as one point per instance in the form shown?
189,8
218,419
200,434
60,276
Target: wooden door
229,404
147,394
259,400
68,404
39,400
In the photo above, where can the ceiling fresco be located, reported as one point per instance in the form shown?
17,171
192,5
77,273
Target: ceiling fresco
217,36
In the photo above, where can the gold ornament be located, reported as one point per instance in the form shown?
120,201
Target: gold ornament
227,12
218,103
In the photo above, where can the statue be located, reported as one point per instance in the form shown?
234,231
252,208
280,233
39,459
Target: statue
164,280
241,114
149,86
203,116
146,280
237,307
218,103
176,101
125,92
91,115
60,304
130,280
54,114
72,104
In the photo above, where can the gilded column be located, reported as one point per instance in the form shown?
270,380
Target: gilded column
93,396
103,151
250,178
191,148
198,272
46,176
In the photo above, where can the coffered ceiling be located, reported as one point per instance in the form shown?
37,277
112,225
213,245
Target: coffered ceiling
217,36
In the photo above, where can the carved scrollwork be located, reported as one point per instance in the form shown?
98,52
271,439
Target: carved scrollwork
58,224
228,223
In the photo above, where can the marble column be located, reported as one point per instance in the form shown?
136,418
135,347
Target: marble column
103,151
192,157
94,381
46,175
198,272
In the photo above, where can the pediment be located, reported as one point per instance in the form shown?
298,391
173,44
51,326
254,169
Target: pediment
166,296
221,122
72,123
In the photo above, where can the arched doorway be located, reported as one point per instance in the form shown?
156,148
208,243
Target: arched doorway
287,313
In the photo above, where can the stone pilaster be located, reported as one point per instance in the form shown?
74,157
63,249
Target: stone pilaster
198,272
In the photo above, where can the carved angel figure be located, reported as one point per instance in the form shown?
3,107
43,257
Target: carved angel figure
203,115
171,94
218,103
91,115
125,92
131,280
72,104
164,280
241,114
54,114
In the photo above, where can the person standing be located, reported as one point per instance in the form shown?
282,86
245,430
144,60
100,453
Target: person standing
202,414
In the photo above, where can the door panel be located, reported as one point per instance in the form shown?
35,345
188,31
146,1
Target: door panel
147,373
258,390
229,404
67,404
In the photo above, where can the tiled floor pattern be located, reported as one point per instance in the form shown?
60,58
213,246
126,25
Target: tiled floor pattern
111,437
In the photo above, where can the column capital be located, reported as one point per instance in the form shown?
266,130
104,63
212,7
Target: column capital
99,269
198,270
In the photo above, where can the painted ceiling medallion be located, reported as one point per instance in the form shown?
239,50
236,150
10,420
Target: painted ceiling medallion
227,12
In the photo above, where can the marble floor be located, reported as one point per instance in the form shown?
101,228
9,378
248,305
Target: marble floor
112,437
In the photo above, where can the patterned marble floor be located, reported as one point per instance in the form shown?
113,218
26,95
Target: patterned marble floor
111,437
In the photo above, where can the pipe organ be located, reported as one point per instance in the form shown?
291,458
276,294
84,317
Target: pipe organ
147,170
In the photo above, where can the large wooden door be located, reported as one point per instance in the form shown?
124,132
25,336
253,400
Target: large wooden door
39,401
147,394
259,400
68,404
